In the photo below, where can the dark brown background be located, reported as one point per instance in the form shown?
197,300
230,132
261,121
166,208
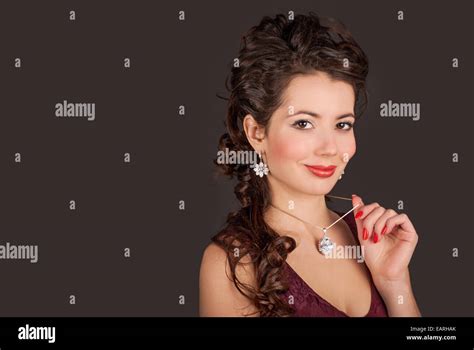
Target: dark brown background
136,205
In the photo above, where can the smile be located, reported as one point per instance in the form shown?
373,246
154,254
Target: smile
321,171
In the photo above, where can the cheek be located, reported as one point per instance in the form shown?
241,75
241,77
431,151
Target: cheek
287,146
347,149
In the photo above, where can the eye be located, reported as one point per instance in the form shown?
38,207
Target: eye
302,124
345,126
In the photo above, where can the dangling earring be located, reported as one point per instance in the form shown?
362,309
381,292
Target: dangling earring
260,168
340,176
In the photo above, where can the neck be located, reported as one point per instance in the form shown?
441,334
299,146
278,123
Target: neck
308,208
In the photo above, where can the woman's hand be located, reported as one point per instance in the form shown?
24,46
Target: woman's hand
388,240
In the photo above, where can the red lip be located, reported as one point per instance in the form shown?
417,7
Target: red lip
322,171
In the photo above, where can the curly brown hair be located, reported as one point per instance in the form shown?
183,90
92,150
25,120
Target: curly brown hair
271,54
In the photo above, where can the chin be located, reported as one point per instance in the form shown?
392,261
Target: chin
319,192
316,190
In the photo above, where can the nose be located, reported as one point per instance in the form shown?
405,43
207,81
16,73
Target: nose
326,145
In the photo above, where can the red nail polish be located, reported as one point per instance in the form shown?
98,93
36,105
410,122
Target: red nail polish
359,214
384,230
376,237
365,234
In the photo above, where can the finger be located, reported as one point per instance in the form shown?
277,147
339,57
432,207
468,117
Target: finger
380,228
407,231
362,211
358,203
369,221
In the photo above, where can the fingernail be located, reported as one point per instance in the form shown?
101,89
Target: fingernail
384,230
365,234
353,195
376,237
359,214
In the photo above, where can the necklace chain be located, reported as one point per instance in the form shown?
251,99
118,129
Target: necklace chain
325,245
324,229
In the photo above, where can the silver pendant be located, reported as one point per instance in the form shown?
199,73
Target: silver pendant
325,244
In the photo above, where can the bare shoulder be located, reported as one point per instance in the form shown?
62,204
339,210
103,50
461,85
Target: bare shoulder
213,254
218,295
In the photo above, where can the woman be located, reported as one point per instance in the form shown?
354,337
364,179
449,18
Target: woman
295,96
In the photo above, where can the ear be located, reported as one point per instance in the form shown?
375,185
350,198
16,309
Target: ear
254,132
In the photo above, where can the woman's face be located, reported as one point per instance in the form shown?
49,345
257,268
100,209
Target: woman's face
313,127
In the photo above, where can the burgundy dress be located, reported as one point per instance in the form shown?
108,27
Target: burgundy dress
308,303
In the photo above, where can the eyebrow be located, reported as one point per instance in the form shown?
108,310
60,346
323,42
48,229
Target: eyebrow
316,115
